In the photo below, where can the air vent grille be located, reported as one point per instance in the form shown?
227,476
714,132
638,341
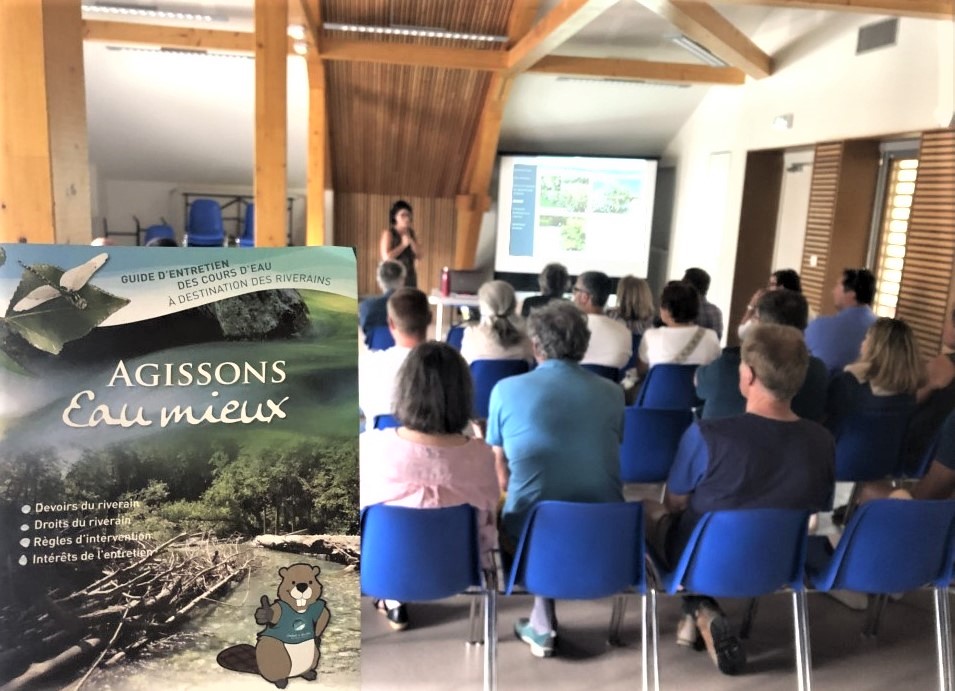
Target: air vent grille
877,35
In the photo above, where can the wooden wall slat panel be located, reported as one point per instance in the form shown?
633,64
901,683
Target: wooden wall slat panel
926,291
360,218
822,205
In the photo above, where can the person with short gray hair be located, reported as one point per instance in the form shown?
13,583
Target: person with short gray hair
556,434
500,334
373,311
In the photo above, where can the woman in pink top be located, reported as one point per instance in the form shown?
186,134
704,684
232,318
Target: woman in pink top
429,462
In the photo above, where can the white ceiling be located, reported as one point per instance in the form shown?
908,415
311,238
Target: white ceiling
189,118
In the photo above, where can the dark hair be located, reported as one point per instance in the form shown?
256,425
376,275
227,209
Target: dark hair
559,331
861,282
434,391
788,279
597,285
162,242
553,280
699,279
400,205
408,308
391,274
784,306
681,300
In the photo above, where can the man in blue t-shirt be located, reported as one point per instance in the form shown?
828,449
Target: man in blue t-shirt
765,458
836,340
556,434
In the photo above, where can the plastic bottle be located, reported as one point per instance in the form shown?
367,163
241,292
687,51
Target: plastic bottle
445,281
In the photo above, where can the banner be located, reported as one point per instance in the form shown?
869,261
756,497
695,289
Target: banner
178,467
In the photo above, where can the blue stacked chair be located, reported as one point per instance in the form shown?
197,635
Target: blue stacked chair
380,338
669,386
159,231
205,224
386,422
412,555
247,239
487,373
650,440
455,336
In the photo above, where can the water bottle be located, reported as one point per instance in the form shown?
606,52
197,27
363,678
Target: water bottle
445,281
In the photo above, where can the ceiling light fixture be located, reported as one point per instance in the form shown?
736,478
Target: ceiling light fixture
698,51
300,47
783,122
296,32
416,31
180,51
152,12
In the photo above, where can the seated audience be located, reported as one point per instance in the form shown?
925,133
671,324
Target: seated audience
884,378
373,311
781,278
610,341
718,382
556,434
938,481
553,281
500,333
429,462
680,340
766,458
634,308
836,339
408,318
709,316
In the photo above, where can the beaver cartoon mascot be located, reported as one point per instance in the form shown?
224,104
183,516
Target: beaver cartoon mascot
288,645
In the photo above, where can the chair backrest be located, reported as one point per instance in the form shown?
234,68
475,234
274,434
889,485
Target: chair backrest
160,230
634,349
386,421
611,373
891,546
743,553
487,373
669,386
205,224
869,446
580,551
455,336
418,554
650,440
380,338
247,239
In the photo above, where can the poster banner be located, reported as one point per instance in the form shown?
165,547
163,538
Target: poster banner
178,468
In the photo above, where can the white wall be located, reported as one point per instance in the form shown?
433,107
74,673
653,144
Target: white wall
832,94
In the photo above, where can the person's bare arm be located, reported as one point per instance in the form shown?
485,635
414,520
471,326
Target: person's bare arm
392,253
675,503
500,466
413,243
937,483
941,372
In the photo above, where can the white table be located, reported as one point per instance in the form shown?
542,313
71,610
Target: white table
445,301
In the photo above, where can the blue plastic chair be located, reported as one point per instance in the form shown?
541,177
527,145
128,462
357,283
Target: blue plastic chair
487,373
205,224
247,239
893,546
634,348
669,386
650,440
607,537
611,373
746,553
380,338
386,422
455,336
428,554
159,231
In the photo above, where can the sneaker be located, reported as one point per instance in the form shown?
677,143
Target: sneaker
397,616
687,635
721,641
542,644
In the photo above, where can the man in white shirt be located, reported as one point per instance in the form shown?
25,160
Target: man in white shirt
610,341
408,318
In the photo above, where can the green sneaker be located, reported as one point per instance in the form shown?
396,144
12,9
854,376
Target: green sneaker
542,644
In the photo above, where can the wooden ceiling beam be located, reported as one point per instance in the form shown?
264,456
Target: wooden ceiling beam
639,70
413,54
521,19
169,36
562,22
318,150
706,26
924,9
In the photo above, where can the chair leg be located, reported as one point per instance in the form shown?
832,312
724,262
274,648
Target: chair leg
874,615
649,650
803,650
943,639
474,635
851,506
747,624
490,636
616,619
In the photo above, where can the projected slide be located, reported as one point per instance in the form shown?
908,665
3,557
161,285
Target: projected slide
588,213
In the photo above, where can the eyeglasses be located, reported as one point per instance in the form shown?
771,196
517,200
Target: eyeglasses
575,289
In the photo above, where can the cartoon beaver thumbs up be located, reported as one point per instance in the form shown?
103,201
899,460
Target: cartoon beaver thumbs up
263,615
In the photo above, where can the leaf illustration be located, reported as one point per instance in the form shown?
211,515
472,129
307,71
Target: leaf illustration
11,365
58,321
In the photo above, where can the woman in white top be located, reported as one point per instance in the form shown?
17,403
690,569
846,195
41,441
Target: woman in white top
500,333
680,341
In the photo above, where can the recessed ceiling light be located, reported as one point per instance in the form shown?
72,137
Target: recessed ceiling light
426,31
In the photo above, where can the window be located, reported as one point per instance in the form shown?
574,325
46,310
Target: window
900,174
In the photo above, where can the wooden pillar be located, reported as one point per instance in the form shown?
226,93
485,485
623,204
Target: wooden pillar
317,158
271,124
44,161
